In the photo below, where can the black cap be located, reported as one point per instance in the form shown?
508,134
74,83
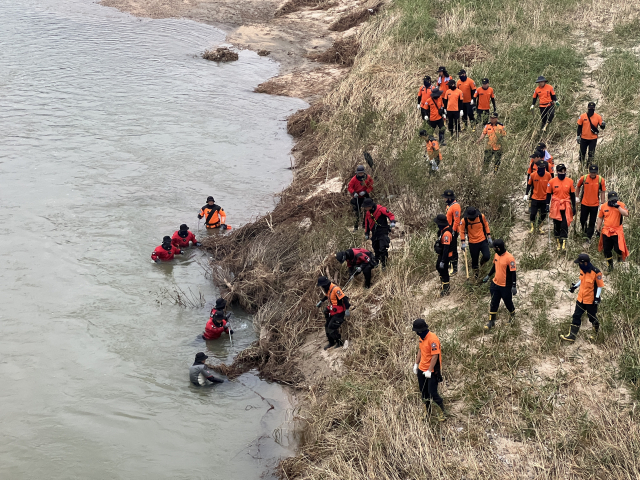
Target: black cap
462,72
591,105
485,81
422,133
593,168
221,303
210,199
534,155
323,282
541,79
427,78
494,115
431,138
561,167
449,194
583,257
341,256
368,202
184,227
360,169
611,195
441,69
419,325
542,145
200,356
441,220
166,239
436,93
452,83
541,164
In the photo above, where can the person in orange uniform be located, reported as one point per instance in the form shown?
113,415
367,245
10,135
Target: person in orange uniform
588,125
486,98
336,311
433,155
537,187
454,215
214,216
475,231
493,131
181,238
435,110
547,100
360,186
468,89
428,367
561,197
611,233
453,99
423,94
443,79
591,192
443,249
590,284
503,286
166,251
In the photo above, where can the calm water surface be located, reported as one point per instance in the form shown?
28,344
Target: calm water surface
112,133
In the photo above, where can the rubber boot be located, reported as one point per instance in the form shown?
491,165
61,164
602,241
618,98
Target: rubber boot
454,268
544,128
441,415
512,316
532,228
492,322
610,263
571,336
564,244
441,138
445,289
593,336
541,230
558,245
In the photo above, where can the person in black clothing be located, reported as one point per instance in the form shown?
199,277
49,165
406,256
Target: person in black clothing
444,250
503,286
378,221
335,313
359,260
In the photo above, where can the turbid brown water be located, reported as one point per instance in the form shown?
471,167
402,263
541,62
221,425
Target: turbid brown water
112,133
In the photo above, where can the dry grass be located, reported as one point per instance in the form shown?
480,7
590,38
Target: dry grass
290,6
342,52
356,17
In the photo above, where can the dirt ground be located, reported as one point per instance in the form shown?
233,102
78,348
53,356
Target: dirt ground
255,25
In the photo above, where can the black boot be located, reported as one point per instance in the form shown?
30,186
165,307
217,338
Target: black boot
492,322
476,273
329,345
512,316
610,263
445,289
454,267
571,337
593,336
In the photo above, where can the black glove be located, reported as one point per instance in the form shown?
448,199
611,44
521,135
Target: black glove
199,216
578,140
596,301
230,332
514,290
573,288
366,236
603,125
223,226
485,279
597,233
441,265
573,209
546,208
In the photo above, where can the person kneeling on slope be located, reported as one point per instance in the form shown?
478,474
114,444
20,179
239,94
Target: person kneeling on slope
181,238
442,247
475,229
590,285
200,374
214,216
335,312
166,251
359,260
612,238
218,322
360,186
503,285
377,228
428,367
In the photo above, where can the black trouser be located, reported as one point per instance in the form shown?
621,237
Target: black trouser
454,250
467,112
366,271
332,326
444,272
439,124
592,314
475,249
609,245
538,206
356,204
561,227
547,113
500,293
591,145
429,388
483,116
453,119
496,155
380,243
590,214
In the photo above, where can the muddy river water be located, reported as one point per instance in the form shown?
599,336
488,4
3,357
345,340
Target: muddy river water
112,133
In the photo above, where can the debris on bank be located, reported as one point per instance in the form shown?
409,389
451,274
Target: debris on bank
264,53
342,52
347,22
220,54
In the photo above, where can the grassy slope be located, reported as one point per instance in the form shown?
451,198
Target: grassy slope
526,406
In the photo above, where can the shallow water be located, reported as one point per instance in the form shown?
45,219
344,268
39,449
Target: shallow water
112,133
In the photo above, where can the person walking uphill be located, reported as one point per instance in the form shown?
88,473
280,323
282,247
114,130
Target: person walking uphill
547,101
537,186
442,247
423,94
435,110
218,322
432,147
166,251
493,131
200,374
359,260
475,232
428,367
611,233
503,286
453,99
590,284
588,125
591,190
486,98
335,312
181,238
377,223
468,89
561,196
214,216
443,79
360,186
454,215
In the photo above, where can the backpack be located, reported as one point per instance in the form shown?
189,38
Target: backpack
466,224
584,179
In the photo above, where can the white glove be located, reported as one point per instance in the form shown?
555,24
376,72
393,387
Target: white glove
427,374
355,195
415,368
473,102
463,245
362,194
426,117
418,106
445,112
531,107
525,198
434,166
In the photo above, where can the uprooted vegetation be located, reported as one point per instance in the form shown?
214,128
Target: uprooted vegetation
354,18
220,54
342,52
290,6
526,406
